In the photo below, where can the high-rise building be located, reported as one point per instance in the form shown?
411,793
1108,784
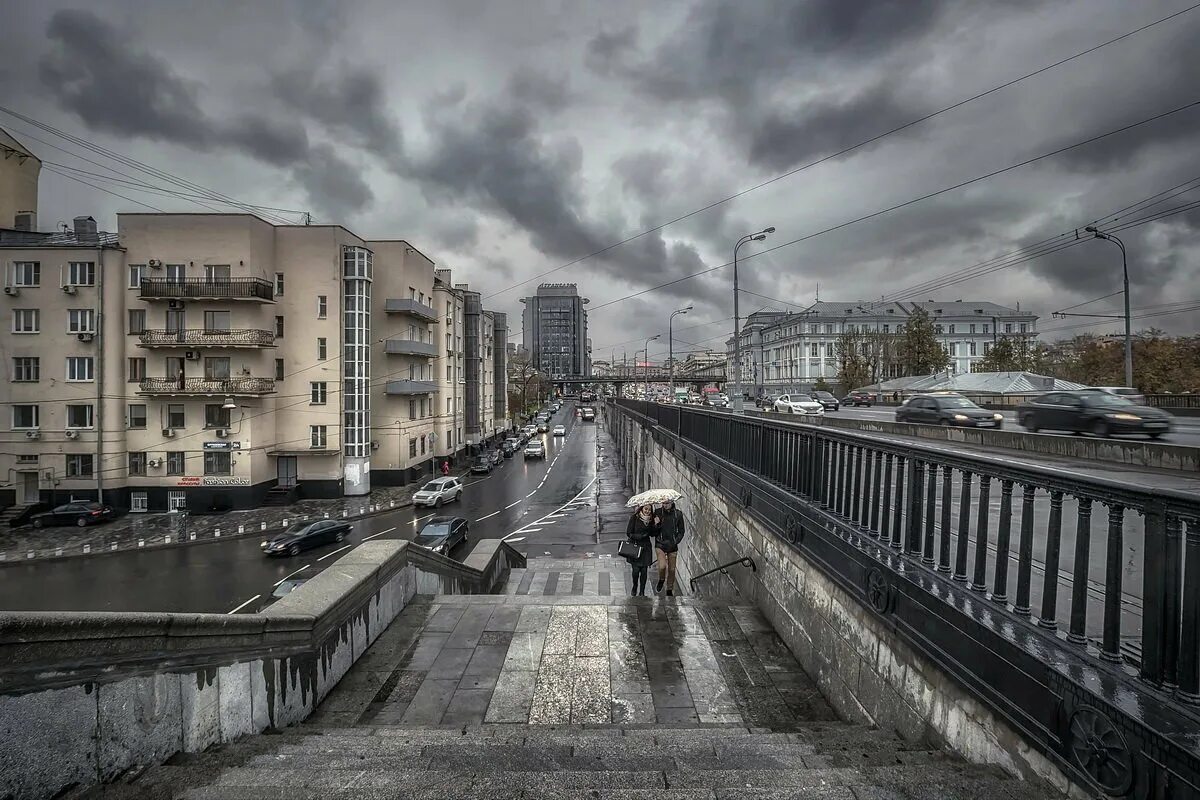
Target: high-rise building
555,331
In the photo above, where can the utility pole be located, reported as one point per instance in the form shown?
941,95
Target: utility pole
1099,234
671,346
646,374
737,334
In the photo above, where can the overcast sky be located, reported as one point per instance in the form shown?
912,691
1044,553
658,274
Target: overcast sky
506,139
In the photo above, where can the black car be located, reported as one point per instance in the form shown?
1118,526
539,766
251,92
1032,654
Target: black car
858,399
303,535
80,514
947,409
481,465
1092,411
443,534
496,457
827,400
508,447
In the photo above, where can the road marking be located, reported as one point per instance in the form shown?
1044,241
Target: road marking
335,552
297,572
543,520
494,513
531,494
519,539
243,605
510,505
558,516
418,519
381,533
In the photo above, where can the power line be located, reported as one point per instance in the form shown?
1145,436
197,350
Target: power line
102,189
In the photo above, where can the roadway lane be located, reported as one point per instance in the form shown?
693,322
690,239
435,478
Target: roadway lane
225,575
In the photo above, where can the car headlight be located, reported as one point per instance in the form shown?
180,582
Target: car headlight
997,417
1131,417
961,418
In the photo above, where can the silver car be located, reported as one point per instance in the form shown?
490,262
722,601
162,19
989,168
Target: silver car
438,491
799,404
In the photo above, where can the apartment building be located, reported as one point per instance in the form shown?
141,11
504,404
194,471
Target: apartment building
555,330
19,173
451,378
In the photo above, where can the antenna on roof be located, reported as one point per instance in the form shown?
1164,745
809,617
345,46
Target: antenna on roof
818,292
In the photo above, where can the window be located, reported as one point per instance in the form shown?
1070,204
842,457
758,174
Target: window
216,369
971,348
175,415
26,320
80,416
81,368
176,273
79,465
987,348
137,415
814,350
447,405
322,348
175,320
1024,327
216,273
137,320
972,327
175,462
953,348
938,329
449,374
986,328
279,327
27,369
218,463
318,393
139,502
412,409
322,306
216,321
422,444
412,293
24,417
137,464
81,320
176,500
279,369
136,273
424,406
215,416
278,283
27,273
81,273
316,434
449,309
1008,327
412,448
449,344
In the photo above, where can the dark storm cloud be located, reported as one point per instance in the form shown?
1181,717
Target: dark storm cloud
350,100
98,73
643,173
539,90
608,49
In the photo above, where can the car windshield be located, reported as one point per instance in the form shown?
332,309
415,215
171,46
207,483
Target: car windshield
428,537
1107,400
434,530
801,398
824,395
955,402
298,527
432,486
481,460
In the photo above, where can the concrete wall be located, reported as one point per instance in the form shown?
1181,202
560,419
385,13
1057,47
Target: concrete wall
858,661
86,696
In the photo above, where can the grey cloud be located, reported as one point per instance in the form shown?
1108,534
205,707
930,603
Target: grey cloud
608,49
643,172
539,90
350,100
332,183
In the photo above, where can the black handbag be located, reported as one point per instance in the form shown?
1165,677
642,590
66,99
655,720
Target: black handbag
629,550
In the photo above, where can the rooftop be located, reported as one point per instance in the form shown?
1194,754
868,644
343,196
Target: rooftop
978,382
11,237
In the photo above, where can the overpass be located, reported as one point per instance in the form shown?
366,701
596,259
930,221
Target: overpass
697,378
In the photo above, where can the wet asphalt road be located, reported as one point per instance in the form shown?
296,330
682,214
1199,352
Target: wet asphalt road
229,575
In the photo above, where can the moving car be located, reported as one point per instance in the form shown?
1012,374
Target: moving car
438,491
947,408
587,414
481,465
716,400
543,426
827,400
81,514
1128,392
509,446
798,404
858,399
535,450
303,535
496,457
560,430
442,534
1092,411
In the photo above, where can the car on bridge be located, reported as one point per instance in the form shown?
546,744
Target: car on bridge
443,534
947,408
587,414
715,400
798,404
80,514
438,491
535,450
859,398
303,535
1093,411
826,399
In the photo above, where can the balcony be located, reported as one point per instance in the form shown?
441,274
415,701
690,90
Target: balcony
406,387
257,290
409,347
199,337
411,307
216,387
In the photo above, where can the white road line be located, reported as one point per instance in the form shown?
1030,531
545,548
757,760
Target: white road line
531,494
510,505
494,513
335,552
419,519
381,533
557,516
243,605
518,539
543,520
297,572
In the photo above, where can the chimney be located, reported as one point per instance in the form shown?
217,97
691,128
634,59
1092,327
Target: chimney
85,229
25,221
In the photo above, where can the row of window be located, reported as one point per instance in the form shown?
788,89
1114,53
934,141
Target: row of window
28,369
951,328
28,274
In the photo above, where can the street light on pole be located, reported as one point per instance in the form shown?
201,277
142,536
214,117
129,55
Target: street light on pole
646,374
1099,234
737,339
671,346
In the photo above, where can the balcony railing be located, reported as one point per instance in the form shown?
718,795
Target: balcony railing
404,387
409,347
258,289
199,337
394,305
212,386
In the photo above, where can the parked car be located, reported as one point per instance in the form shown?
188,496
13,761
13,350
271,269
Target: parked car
766,401
1128,392
509,446
798,404
438,491
859,399
443,534
543,426
496,457
80,514
535,450
827,400
303,535
481,465
947,408
560,430
1092,411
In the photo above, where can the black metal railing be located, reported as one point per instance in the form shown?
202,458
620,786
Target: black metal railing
1111,569
1189,402
218,288
213,386
745,561
200,337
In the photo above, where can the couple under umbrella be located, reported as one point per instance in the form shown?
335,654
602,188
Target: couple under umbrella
653,534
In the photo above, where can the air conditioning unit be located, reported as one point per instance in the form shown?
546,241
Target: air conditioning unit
192,355
154,263
72,434
222,433
154,462
86,337
168,432
175,304
33,434
12,291
68,289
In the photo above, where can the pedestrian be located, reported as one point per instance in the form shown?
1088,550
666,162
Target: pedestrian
640,531
669,533
445,467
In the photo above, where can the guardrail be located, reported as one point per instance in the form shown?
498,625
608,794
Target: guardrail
744,561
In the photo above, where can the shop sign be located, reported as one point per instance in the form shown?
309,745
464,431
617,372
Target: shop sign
222,445
213,480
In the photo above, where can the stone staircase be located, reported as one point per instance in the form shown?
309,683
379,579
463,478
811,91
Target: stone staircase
564,687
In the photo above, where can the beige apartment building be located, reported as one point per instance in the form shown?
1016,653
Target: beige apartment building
218,360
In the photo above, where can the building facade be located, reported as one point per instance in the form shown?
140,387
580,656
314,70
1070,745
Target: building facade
555,333
451,380
19,172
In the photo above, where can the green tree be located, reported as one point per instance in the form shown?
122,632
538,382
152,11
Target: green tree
525,384
821,385
918,350
1015,354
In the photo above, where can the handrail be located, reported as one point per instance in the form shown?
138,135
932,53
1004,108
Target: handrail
745,561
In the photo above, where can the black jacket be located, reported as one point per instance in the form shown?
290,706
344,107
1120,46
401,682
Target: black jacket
670,530
641,533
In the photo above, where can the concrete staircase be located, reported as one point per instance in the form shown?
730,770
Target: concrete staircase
564,687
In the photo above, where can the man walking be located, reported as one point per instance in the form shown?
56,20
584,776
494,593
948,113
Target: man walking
666,545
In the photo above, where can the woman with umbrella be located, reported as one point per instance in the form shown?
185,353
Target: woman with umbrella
639,547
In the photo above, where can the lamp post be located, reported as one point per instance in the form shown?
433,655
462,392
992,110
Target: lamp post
737,340
1099,234
671,346
646,374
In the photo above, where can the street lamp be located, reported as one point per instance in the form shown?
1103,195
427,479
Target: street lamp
646,374
737,339
1099,234
671,346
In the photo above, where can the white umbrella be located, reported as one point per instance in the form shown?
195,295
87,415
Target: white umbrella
653,496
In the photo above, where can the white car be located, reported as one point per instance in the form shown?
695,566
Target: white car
560,430
799,404
535,450
438,491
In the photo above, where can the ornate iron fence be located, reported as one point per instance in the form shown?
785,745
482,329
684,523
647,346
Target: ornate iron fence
196,288
200,337
213,386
